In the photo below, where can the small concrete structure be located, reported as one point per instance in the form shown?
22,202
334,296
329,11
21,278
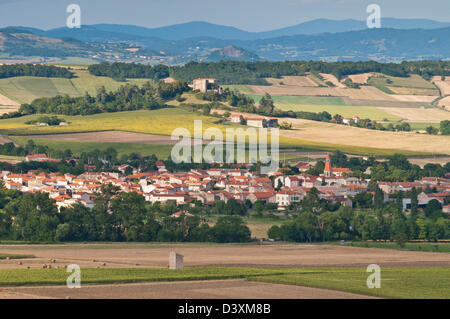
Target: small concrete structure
176,261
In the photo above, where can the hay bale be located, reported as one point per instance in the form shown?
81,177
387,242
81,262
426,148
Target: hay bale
19,263
7,258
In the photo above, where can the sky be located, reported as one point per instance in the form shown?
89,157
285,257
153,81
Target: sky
249,15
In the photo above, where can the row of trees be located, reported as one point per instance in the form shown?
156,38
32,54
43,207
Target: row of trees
40,70
122,71
375,224
126,98
396,168
115,217
234,72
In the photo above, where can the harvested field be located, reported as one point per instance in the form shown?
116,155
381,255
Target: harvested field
331,78
321,132
110,137
213,289
445,102
294,90
413,91
5,101
444,86
340,134
359,78
423,161
420,115
153,255
414,98
292,81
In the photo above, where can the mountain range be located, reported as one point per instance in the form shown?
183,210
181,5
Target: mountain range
322,39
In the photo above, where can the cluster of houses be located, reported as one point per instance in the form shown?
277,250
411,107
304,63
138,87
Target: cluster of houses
211,185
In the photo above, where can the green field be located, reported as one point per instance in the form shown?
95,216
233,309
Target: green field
15,256
161,151
415,282
332,105
160,122
24,89
422,126
413,81
303,100
430,247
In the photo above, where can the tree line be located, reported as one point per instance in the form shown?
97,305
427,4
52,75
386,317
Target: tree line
39,70
126,98
237,72
115,217
122,71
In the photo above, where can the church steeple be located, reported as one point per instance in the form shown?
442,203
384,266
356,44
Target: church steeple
328,170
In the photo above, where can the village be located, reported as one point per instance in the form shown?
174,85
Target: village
210,185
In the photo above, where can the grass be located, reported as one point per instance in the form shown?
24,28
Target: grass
428,247
332,105
303,100
11,158
161,122
415,282
413,81
411,283
161,151
15,256
24,89
417,126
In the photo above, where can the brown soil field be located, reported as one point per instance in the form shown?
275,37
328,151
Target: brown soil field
5,101
348,135
302,81
364,93
340,134
414,91
444,86
414,98
211,289
331,78
4,140
423,115
156,255
110,137
425,160
359,78
445,102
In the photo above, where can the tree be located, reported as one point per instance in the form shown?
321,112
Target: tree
230,229
445,127
431,130
266,105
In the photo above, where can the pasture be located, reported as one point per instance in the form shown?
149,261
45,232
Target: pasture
25,89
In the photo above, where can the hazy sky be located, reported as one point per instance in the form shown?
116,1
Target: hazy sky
250,15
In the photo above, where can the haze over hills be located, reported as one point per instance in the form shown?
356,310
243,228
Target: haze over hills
205,29
323,39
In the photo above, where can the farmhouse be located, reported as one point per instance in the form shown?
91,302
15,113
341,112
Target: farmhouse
262,122
206,85
236,118
36,158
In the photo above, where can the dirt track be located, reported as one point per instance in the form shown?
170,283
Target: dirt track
213,289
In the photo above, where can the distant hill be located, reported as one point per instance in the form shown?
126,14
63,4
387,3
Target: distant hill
196,29
105,42
231,53
24,42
